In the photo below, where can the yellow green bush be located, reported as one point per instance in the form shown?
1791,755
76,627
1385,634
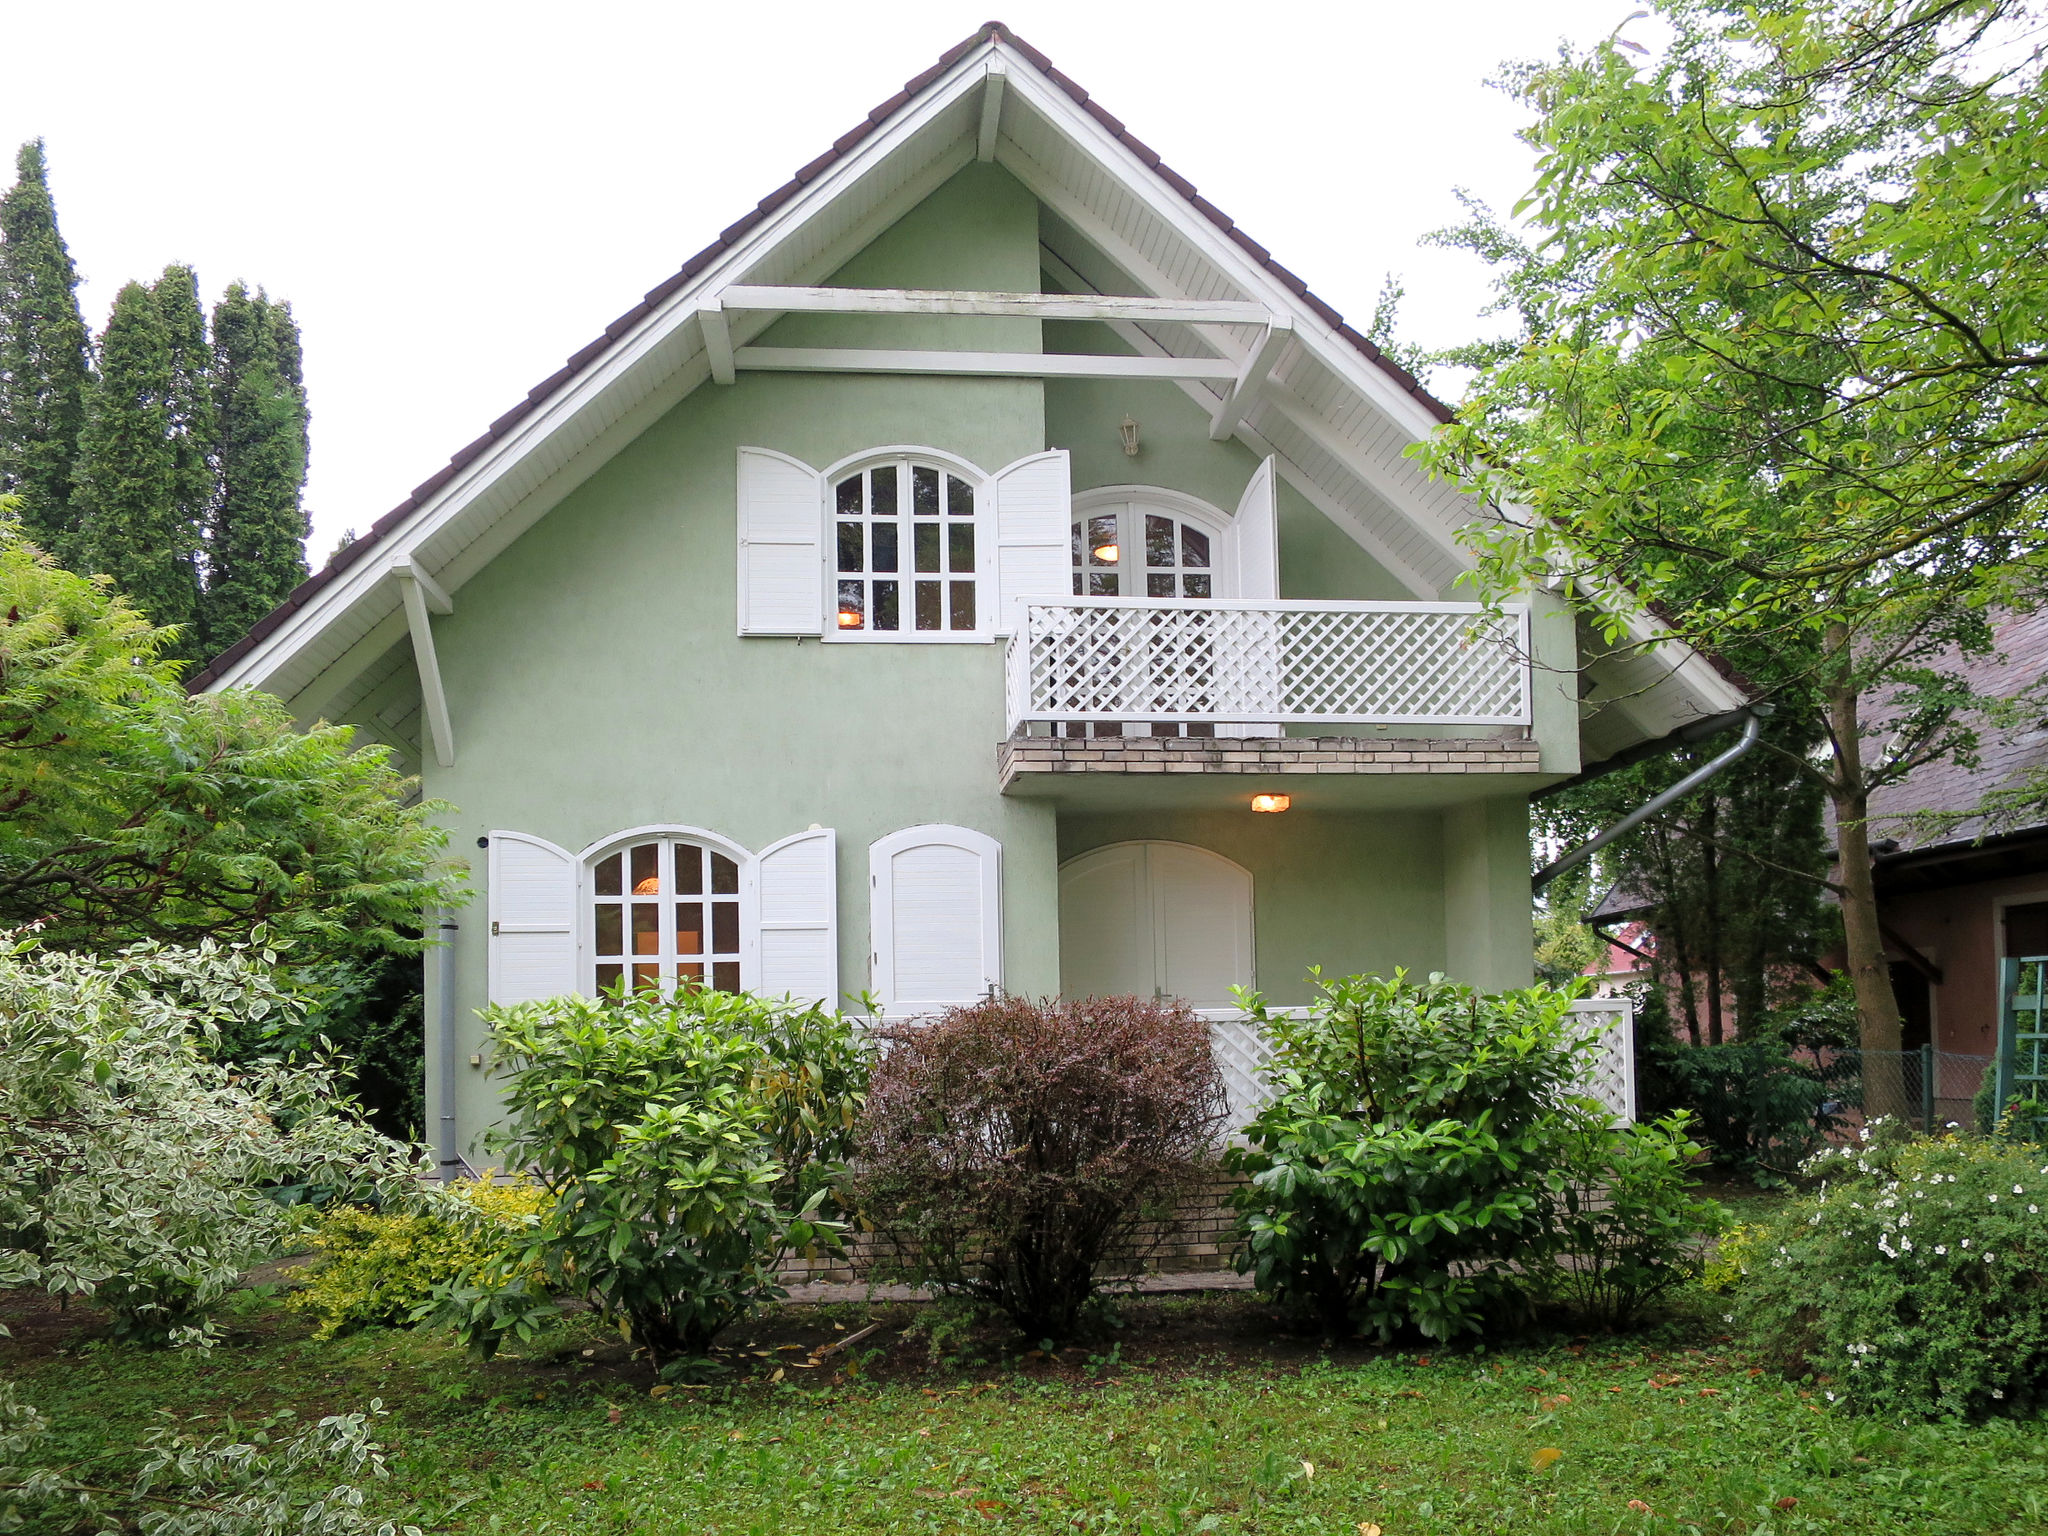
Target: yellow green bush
375,1267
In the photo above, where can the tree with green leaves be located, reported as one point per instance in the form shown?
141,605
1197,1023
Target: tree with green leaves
189,406
1733,880
130,810
130,524
45,355
1781,369
258,545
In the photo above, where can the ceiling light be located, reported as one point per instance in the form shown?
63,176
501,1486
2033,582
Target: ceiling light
1272,804
1106,553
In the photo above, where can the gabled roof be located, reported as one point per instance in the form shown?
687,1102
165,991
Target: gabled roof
1121,221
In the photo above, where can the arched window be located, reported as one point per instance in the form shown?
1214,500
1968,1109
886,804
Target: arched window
665,909
908,552
1134,544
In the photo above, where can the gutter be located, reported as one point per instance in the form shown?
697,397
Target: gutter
448,1155
1752,717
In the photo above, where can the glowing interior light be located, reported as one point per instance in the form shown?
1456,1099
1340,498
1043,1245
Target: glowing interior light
1272,804
849,618
1106,553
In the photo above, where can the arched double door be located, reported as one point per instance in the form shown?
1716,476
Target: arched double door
1155,919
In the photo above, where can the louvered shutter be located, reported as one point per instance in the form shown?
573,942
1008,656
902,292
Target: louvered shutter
1255,536
782,522
937,920
533,918
1034,524
796,924
1253,544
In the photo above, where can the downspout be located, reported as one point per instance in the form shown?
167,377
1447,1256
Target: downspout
447,1149
1752,729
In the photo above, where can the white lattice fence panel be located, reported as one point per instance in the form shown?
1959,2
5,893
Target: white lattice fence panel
1165,659
1240,1048
1611,1070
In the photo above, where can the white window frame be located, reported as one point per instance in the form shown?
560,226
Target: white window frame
985,593
670,833
1132,501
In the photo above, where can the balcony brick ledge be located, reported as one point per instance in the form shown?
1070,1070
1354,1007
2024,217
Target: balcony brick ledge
1263,755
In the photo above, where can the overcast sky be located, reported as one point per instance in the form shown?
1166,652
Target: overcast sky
456,196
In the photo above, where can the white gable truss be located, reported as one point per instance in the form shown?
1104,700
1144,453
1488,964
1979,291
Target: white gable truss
1267,362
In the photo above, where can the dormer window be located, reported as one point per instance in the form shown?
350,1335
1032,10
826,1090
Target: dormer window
908,553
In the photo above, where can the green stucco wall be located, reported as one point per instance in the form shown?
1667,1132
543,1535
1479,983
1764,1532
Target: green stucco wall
597,682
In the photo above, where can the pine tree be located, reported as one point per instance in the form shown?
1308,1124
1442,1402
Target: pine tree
257,552
129,525
190,402
45,357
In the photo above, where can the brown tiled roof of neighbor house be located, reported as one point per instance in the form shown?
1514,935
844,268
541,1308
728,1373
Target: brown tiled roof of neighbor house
2018,661
539,394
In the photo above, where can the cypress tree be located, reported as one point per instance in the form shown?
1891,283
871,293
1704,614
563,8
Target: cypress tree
45,357
190,401
257,552
129,524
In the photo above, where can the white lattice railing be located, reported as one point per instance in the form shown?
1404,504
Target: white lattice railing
1241,1049
1268,662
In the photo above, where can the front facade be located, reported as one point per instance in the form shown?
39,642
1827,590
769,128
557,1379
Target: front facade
912,596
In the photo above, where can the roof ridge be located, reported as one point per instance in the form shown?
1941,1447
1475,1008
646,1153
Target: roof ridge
352,553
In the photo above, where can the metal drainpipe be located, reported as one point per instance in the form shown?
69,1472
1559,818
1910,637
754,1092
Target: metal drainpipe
1752,728
446,1145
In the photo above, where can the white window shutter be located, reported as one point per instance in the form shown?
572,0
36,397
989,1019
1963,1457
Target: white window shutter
1034,526
782,526
1253,560
533,919
937,918
796,918
1255,536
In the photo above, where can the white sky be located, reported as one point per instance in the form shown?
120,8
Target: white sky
455,196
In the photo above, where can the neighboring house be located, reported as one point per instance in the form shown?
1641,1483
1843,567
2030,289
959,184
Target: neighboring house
1959,904
914,592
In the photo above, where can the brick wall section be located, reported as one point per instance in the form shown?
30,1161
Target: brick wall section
1264,756
1198,1240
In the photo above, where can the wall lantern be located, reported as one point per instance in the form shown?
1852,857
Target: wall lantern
1129,432
1272,804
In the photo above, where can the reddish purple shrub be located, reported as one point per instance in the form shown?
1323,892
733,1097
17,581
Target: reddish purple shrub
1009,1148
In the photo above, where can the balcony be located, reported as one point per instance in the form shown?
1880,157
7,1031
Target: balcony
1124,692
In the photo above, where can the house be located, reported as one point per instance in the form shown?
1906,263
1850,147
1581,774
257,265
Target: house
1963,906
923,590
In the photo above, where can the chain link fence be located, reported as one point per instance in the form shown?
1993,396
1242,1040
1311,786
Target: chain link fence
1929,1089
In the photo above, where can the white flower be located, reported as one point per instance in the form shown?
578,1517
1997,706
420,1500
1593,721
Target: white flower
1998,1392
2017,1190
1966,1242
1992,1198
2033,1210
1905,1245
1989,1257
1941,1248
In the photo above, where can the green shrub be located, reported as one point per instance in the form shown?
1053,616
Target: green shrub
685,1144
1760,1108
1011,1147
1912,1283
136,1168
1410,1153
1627,1225
378,1268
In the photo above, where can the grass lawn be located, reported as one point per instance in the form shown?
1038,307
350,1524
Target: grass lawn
1201,1418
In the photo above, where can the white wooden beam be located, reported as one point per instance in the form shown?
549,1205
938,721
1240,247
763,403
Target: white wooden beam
991,111
717,340
433,698
438,601
963,301
1244,390
1012,365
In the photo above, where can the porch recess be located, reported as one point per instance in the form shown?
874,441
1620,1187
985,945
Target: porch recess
1267,662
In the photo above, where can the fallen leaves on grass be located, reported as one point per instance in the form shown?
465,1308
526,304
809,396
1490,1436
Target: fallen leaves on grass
1545,1458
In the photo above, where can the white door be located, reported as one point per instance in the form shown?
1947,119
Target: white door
1155,920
